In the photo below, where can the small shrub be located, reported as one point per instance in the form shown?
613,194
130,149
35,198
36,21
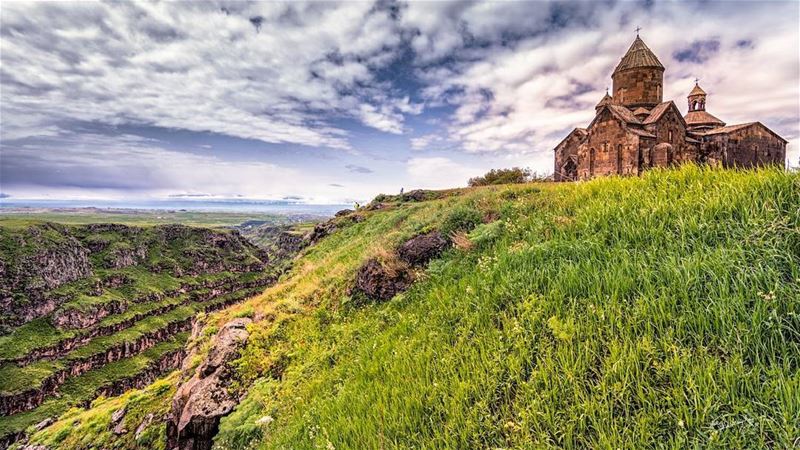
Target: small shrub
485,233
514,175
461,219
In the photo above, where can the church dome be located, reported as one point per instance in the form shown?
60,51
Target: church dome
638,55
638,79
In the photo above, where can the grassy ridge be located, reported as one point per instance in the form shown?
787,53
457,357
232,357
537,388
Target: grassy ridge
653,312
620,313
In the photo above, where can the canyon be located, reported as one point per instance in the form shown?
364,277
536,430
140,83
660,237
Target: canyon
95,310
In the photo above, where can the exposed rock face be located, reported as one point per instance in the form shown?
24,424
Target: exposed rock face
343,212
201,402
381,283
124,257
43,258
320,231
117,415
421,249
62,264
43,424
417,195
143,426
26,400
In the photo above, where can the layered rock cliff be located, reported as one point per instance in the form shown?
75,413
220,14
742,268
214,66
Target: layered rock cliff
75,300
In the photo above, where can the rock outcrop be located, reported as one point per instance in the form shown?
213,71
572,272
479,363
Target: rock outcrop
45,266
380,282
201,402
320,231
421,249
29,399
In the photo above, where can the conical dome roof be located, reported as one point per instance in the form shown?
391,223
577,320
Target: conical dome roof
639,55
697,90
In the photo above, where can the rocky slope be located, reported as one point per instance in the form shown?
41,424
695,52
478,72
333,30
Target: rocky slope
76,302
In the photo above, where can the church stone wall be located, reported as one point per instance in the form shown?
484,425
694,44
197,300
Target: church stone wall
748,147
670,129
638,87
609,149
568,147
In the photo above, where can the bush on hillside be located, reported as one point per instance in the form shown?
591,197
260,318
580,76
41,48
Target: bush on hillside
462,218
514,175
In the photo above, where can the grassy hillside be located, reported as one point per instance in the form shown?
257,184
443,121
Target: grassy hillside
661,311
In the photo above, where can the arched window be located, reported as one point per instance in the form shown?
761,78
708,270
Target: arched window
591,161
619,159
670,136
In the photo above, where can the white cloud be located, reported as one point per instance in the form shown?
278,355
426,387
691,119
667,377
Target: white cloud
438,173
424,142
127,166
199,67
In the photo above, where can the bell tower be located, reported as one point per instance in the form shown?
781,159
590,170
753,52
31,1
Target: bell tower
697,98
638,80
698,119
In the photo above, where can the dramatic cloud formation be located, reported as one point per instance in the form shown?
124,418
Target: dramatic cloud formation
339,101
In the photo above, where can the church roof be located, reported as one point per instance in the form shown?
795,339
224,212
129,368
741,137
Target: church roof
641,111
580,132
642,133
737,127
697,90
604,101
702,118
658,111
638,55
624,114
688,138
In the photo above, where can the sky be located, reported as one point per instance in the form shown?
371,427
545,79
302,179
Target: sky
329,102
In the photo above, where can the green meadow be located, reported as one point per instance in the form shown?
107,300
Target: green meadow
620,313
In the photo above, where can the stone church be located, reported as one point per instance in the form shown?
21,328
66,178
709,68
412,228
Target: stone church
635,129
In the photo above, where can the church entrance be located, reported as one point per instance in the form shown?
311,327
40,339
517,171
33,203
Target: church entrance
570,171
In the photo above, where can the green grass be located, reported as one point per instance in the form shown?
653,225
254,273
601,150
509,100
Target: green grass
619,313
37,333
40,333
79,428
652,312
